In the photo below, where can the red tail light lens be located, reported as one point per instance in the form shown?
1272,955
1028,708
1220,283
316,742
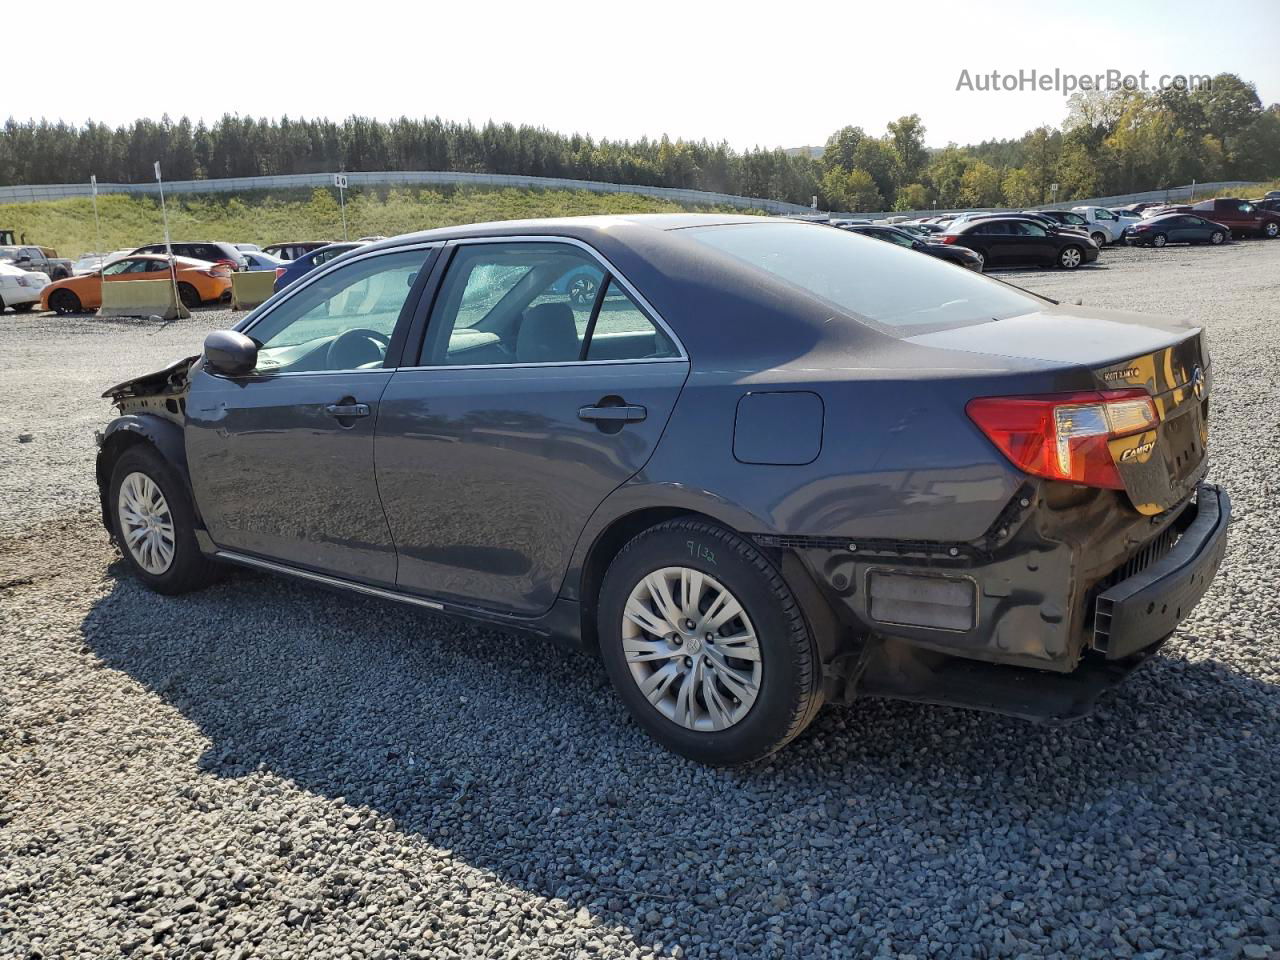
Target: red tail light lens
1065,436
279,272
948,238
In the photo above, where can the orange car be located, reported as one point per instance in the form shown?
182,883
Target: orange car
198,282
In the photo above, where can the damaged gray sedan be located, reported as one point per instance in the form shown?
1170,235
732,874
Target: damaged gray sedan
767,465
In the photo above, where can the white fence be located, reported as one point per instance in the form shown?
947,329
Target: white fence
59,191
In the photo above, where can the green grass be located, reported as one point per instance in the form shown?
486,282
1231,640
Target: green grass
264,217
1244,193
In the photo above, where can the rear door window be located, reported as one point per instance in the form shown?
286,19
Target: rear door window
517,303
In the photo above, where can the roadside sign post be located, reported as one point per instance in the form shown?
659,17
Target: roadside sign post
97,224
168,244
340,181
1053,190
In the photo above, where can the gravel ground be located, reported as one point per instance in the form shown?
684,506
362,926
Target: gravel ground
267,770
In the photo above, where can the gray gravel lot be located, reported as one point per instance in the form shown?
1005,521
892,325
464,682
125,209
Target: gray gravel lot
267,770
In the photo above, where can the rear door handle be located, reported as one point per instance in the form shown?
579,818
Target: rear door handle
627,413
342,410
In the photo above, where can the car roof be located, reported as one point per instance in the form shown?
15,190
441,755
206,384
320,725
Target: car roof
577,227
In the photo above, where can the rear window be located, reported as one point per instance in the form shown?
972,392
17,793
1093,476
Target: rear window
880,282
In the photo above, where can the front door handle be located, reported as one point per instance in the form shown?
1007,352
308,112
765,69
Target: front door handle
344,410
624,413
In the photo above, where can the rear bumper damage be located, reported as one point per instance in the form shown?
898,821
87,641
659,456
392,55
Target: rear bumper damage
1036,622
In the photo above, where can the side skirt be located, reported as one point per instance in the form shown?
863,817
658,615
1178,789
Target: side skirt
561,623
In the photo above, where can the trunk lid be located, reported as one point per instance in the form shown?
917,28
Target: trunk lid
1160,468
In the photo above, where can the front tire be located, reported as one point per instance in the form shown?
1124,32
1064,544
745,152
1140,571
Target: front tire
1217,238
153,523
706,645
1070,257
64,302
1159,240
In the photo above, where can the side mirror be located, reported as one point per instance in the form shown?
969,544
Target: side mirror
230,352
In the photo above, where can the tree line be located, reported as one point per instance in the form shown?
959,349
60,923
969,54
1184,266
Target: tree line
1110,143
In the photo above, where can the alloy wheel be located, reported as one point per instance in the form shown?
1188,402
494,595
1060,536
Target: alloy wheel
691,649
1272,229
1070,257
1216,238
146,524
1159,240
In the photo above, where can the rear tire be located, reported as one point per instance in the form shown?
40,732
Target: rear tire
1271,230
164,554
734,710
189,296
64,302
1099,238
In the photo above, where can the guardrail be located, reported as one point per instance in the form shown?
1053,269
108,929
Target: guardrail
60,191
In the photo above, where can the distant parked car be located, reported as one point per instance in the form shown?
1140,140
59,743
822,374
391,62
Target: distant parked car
1043,219
198,281
287,273
1105,226
20,288
1016,241
262,261
951,252
294,249
92,262
1176,228
1271,195
1240,216
924,231
1264,204
1065,219
1136,209
248,248
38,260
208,251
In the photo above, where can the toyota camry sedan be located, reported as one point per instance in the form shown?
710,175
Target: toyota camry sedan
765,466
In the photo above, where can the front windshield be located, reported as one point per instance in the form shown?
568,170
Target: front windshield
866,278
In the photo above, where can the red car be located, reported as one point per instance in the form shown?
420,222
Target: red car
1241,216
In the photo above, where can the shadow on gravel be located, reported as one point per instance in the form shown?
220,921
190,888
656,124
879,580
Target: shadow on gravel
516,756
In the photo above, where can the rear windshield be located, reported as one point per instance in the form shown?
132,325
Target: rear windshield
867,278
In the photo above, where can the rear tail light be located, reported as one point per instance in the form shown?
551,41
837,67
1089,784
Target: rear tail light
279,272
1065,436
948,238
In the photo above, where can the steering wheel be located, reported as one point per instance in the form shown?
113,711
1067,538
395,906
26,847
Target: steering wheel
354,348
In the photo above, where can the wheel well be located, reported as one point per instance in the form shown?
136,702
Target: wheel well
112,449
608,543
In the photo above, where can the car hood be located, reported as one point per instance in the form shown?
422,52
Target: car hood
169,379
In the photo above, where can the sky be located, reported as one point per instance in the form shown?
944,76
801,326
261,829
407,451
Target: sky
753,74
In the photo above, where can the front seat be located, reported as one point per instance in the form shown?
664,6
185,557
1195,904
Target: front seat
548,334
